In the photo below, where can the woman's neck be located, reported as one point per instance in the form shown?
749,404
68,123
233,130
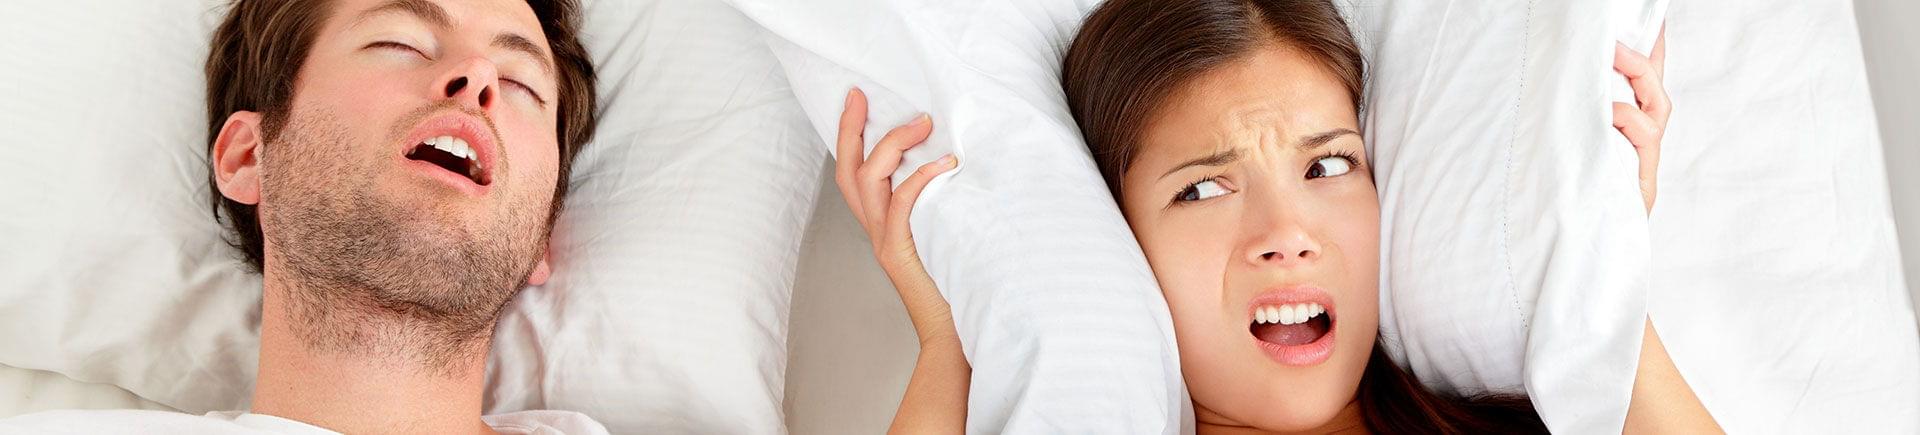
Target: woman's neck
1348,421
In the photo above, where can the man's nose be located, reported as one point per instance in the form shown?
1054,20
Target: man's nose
473,84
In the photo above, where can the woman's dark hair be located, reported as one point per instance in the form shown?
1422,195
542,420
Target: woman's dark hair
1131,56
1392,401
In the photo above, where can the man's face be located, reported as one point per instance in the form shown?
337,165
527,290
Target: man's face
416,170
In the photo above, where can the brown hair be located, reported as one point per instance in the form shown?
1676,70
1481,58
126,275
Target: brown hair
1131,56
260,46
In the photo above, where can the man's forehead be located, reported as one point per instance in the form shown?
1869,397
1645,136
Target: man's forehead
514,15
519,10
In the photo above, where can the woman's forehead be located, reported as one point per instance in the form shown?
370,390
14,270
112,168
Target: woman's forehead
1267,102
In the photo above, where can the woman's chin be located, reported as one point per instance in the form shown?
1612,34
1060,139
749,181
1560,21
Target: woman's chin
1277,409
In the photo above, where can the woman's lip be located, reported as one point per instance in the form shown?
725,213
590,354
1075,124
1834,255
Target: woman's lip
1300,355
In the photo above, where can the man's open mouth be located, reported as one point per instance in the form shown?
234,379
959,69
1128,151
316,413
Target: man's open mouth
454,155
1291,324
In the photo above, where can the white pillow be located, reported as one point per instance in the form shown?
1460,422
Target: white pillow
115,269
1514,253
673,262
681,238
1056,308
1776,281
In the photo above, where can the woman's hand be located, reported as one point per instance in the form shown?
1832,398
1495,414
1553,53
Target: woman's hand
1662,402
936,397
1644,124
883,211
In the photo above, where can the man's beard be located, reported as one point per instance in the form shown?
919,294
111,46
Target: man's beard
367,274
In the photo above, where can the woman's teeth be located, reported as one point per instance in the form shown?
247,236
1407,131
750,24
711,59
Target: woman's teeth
1287,314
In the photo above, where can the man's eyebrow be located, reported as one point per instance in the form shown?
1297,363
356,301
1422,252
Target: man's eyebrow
1315,141
520,44
437,16
1215,159
425,10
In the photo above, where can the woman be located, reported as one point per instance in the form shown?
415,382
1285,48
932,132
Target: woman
1228,132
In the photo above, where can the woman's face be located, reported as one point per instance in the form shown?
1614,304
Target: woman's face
1250,194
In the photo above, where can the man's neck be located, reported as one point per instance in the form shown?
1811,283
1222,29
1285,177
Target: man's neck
361,392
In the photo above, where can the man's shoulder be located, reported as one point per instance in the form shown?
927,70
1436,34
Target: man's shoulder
241,423
73,421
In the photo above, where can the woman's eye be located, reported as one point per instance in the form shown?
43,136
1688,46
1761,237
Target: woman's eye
1330,166
1205,189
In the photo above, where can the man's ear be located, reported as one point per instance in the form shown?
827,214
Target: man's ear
541,271
236,158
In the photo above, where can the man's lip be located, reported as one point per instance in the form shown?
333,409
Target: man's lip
458,182
466,127
1316,352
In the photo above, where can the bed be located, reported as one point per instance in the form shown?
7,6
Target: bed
830,348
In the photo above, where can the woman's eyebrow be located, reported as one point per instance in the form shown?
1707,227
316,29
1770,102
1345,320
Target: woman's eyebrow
1307,143
1215,159
1316,140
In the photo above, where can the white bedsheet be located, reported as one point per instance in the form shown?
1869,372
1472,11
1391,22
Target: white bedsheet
26,391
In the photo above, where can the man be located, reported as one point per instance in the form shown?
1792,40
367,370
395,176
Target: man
393,168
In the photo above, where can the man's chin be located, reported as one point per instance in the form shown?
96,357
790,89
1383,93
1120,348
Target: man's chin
424,263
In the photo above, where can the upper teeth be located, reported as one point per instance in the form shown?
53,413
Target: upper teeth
1287,314
452,145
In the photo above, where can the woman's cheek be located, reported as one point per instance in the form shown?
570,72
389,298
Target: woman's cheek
1196,284
1361,242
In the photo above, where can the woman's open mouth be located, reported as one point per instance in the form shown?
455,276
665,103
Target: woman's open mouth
1295,332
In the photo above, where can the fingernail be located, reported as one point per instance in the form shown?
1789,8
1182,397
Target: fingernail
920,120
949,161
852,93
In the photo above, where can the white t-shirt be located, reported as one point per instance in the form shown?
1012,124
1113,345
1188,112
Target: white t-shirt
242,423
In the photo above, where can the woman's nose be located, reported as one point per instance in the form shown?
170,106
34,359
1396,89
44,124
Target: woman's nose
1285,247
1281,235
